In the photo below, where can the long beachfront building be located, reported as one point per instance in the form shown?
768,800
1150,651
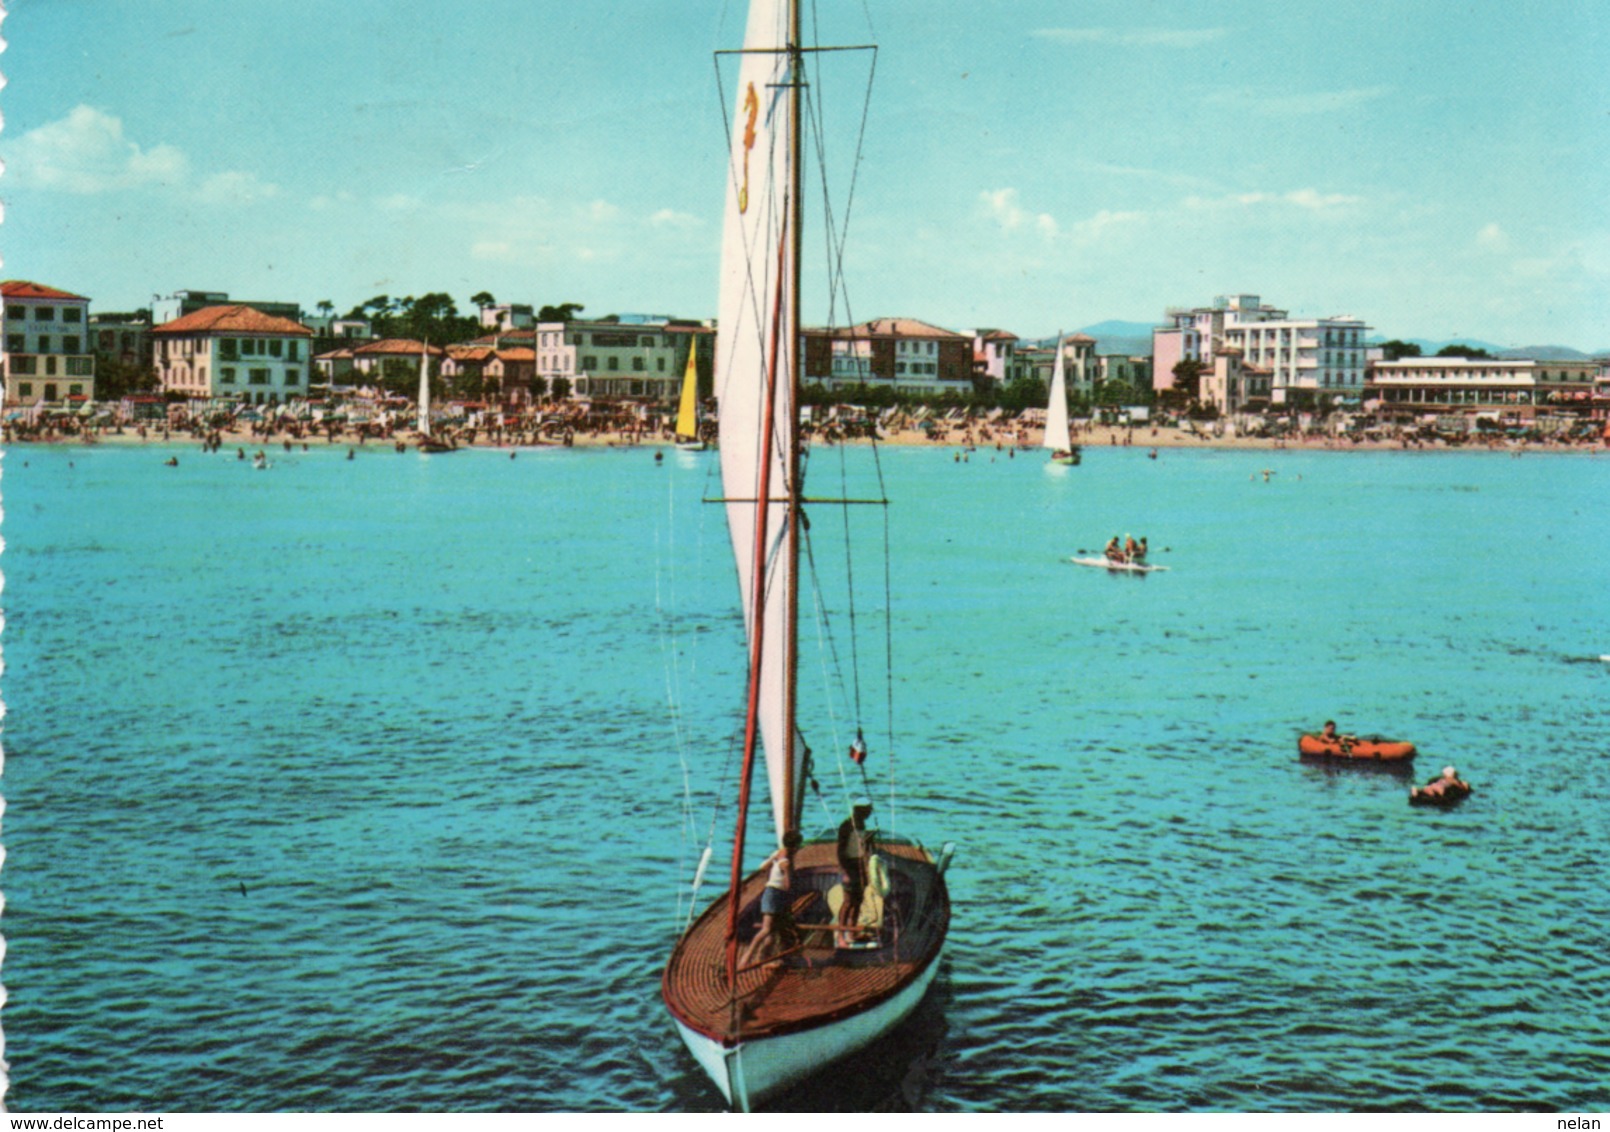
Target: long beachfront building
1518,389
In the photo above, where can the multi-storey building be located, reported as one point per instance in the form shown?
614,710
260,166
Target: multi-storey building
232,352
508,316
1506,388
1125,371
1309,361
1078,364
48,356
993,354
902,354
640,357
503,373
123,337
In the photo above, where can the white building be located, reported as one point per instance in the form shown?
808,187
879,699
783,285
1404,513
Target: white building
233,352
47,356
1309,361
640,359
1498,388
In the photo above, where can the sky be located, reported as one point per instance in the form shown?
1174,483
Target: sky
1436,168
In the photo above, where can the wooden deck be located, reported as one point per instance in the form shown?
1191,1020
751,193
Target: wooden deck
817,982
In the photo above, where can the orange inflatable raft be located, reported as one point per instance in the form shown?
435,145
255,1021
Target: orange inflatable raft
1371,749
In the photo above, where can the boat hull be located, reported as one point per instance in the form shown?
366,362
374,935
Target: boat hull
759,1068
1117,567
823,1000
1366,750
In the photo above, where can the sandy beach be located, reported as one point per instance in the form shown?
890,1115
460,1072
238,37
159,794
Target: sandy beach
1145,437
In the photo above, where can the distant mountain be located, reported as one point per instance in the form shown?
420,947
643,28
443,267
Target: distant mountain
1429,348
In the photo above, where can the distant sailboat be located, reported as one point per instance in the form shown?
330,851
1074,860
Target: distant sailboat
835,986
427,442
687,416
1057,437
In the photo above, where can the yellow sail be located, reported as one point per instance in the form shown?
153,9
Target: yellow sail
687,416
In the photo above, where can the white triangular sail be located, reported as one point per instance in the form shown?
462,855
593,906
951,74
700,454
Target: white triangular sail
1056,409
755,351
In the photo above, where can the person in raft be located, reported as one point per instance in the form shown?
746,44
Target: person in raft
774,923
1330,736
1438,787
1114,552
1138,555
855,852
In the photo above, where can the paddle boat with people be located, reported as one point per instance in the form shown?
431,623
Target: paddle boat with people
1127,557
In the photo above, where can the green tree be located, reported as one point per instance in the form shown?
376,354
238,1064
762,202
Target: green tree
116,379
1397,348
1187,387
1460,350
561,388
564,312
482,299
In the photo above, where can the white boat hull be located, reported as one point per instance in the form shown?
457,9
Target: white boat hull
754,1070
1109,564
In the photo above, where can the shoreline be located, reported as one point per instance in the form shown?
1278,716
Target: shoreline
1145,438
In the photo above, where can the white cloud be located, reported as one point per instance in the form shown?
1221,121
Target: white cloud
494,251
1001,206
1492,238
1104,221
235,188
1311,200
86,153
1135,37
1296,105
670,218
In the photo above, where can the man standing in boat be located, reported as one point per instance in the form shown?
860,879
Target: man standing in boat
855,851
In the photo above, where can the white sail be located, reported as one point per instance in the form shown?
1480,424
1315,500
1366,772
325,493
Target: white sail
756,343
1056,409
424,389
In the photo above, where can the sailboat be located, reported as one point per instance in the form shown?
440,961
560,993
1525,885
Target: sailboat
835,985
427,442
1057,438
687,414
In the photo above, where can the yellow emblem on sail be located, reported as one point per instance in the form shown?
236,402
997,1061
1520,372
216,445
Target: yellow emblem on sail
752,105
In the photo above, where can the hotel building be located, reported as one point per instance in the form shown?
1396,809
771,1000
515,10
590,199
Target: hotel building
1519,389
234,353
638,357
1310,362
48,356
902,354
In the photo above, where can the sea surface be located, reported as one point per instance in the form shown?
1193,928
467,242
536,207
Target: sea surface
377,784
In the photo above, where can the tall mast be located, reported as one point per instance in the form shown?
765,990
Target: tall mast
796,206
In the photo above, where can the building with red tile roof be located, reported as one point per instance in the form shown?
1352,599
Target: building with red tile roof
232,352
904,354
47,355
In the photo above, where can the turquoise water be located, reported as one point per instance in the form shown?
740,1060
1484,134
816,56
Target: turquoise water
360,784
